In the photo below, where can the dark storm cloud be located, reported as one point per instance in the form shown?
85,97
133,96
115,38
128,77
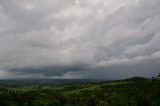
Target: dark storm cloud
125,71
108,39
50,70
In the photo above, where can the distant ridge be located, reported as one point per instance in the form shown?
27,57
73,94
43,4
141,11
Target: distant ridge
137,79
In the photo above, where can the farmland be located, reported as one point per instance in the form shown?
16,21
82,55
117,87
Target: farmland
129,92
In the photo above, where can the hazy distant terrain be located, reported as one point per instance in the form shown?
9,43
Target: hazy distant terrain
130,92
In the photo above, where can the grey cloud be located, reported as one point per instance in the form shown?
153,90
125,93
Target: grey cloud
50,70
79,38
27,19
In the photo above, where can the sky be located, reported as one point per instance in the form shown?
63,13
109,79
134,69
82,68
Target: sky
97,39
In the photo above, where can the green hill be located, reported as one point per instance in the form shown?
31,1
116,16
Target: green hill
136,91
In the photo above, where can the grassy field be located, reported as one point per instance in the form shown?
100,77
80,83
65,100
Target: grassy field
130,92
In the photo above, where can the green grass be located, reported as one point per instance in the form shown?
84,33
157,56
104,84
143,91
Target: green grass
89,87
23,88
119,83
96,87
129,92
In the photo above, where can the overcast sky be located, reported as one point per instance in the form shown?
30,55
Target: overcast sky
104,39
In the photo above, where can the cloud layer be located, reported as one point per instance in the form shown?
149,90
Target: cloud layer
107,39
